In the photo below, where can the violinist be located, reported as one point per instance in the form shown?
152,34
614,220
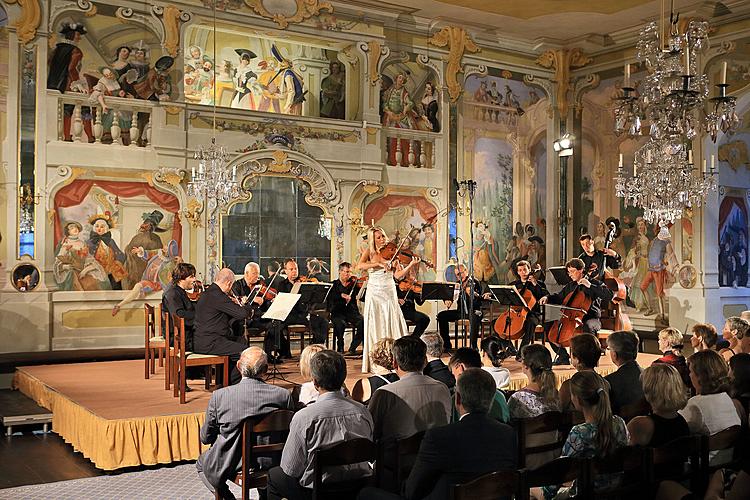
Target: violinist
468,286
175,299
407,299
527,281
246,287
298,316
593,289
342,304
596,261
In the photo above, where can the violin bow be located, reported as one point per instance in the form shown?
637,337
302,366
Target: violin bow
398,249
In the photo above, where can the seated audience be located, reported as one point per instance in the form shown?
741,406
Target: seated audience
739,377
474,445
435,367
711,410
333,419
227,409
625,382
665,392
670,343
307,392
585,351
600,435
413,403
493,355
465,358
539,395
381,364
735,329
704,337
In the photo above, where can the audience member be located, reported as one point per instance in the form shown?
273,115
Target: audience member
600,435
493,355
474,445
745,315
670,343
704,337
739,376
665,392
465,358
333,419
585,352
227,409
625,382
307,392
381,364
435,367
413,403
735,329
711,410
540,394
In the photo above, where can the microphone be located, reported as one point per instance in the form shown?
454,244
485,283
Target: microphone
456,185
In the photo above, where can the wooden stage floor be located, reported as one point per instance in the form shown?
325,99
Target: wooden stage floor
116,418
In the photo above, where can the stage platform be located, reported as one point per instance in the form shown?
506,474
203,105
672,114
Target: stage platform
116,418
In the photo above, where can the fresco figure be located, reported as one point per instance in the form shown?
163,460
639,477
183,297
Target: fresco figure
291,86
243,81
430,105
486,260
481,94
333,93
144,245
105,249
601,236
269,85
640,245
494,94
661,260
398,106
75,269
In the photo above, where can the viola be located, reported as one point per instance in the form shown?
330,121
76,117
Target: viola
392,251
266,292
515,317
196,292
410,286
307,279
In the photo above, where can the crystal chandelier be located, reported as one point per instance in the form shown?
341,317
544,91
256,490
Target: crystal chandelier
213,180
671,99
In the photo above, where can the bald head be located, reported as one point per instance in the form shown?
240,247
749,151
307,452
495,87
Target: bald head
253,362
224,279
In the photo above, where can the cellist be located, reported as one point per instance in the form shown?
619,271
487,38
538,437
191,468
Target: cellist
579,283
527,281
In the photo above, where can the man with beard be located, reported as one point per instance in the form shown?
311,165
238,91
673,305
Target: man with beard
105,250
142,247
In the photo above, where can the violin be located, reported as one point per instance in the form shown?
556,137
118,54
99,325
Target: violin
307,279
195,293
266,292
392,251
410,286
354,282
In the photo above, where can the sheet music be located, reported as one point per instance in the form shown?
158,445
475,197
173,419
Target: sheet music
281,306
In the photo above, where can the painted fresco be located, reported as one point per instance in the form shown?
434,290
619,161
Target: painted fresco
733,238
513,95
409,97
539,162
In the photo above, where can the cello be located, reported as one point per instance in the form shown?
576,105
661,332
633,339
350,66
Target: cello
614,319
509,325
575,306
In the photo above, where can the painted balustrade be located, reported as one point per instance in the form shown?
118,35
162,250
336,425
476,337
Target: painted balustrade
410,148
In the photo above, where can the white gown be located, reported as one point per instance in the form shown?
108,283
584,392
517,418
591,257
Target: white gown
383,316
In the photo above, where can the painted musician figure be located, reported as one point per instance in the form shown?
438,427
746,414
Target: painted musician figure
244,288
342,304
468,285
579,284
298,316
527,281
596,261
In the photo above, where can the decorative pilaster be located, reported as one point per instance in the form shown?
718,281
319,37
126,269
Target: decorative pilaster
562,61
458,42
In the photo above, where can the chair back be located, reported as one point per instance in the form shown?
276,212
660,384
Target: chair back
150,323
275,425
633,462
668,460
178,332
639,408
558,471
493,486
551,421
165,323
406,454
349,452
725,439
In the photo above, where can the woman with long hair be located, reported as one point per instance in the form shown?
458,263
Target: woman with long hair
540,394
383,316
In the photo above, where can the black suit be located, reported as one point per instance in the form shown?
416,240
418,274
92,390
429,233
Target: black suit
409,310
176,302
240,289
212,331
277,332
595,264
475,320
453,454
625,386
343,313
440,372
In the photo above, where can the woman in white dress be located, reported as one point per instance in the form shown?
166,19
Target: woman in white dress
383,316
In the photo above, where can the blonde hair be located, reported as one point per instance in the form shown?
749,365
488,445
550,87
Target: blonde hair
381,353
305,357
663,388
371,239
539,361
592,391
675,338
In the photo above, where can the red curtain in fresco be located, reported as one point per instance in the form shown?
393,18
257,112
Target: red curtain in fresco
726,207
74,193
378,208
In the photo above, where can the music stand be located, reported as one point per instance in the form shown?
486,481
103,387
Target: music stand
508,296
312,293
438,290
280,308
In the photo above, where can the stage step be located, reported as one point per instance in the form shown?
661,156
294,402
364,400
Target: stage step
16,409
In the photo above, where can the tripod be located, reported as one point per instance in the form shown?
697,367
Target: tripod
275,373
467,188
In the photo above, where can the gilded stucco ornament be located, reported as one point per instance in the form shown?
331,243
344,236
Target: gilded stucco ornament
562,61
458,42
171,18
305,10
280,162
29,20
192,212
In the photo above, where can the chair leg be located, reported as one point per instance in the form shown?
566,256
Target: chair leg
225,380
207,373
167,368
176,378
183,384
146,360
161,357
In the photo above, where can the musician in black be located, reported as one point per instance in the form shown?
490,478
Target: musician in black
527,281
342,304
408,301
244,288
597,260
468,286
579,283
175,300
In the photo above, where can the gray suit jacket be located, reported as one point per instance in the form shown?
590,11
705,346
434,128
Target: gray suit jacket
222,428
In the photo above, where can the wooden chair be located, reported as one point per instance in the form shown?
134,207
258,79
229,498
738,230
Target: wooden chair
169,358
155,343
275,425
724,440
185,359
559,471
633,462
349,452
669,459
493,486
300,330
396,459
552,421
465,326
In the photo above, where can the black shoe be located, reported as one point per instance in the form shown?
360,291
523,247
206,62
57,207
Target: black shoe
188,388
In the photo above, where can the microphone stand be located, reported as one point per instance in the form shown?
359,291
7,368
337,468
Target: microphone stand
466,189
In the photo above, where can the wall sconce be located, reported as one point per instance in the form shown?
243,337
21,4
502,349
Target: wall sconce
26,196
564,145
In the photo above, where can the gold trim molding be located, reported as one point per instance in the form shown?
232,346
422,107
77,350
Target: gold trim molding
458,42
305,10
30,19
171,19
562,61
